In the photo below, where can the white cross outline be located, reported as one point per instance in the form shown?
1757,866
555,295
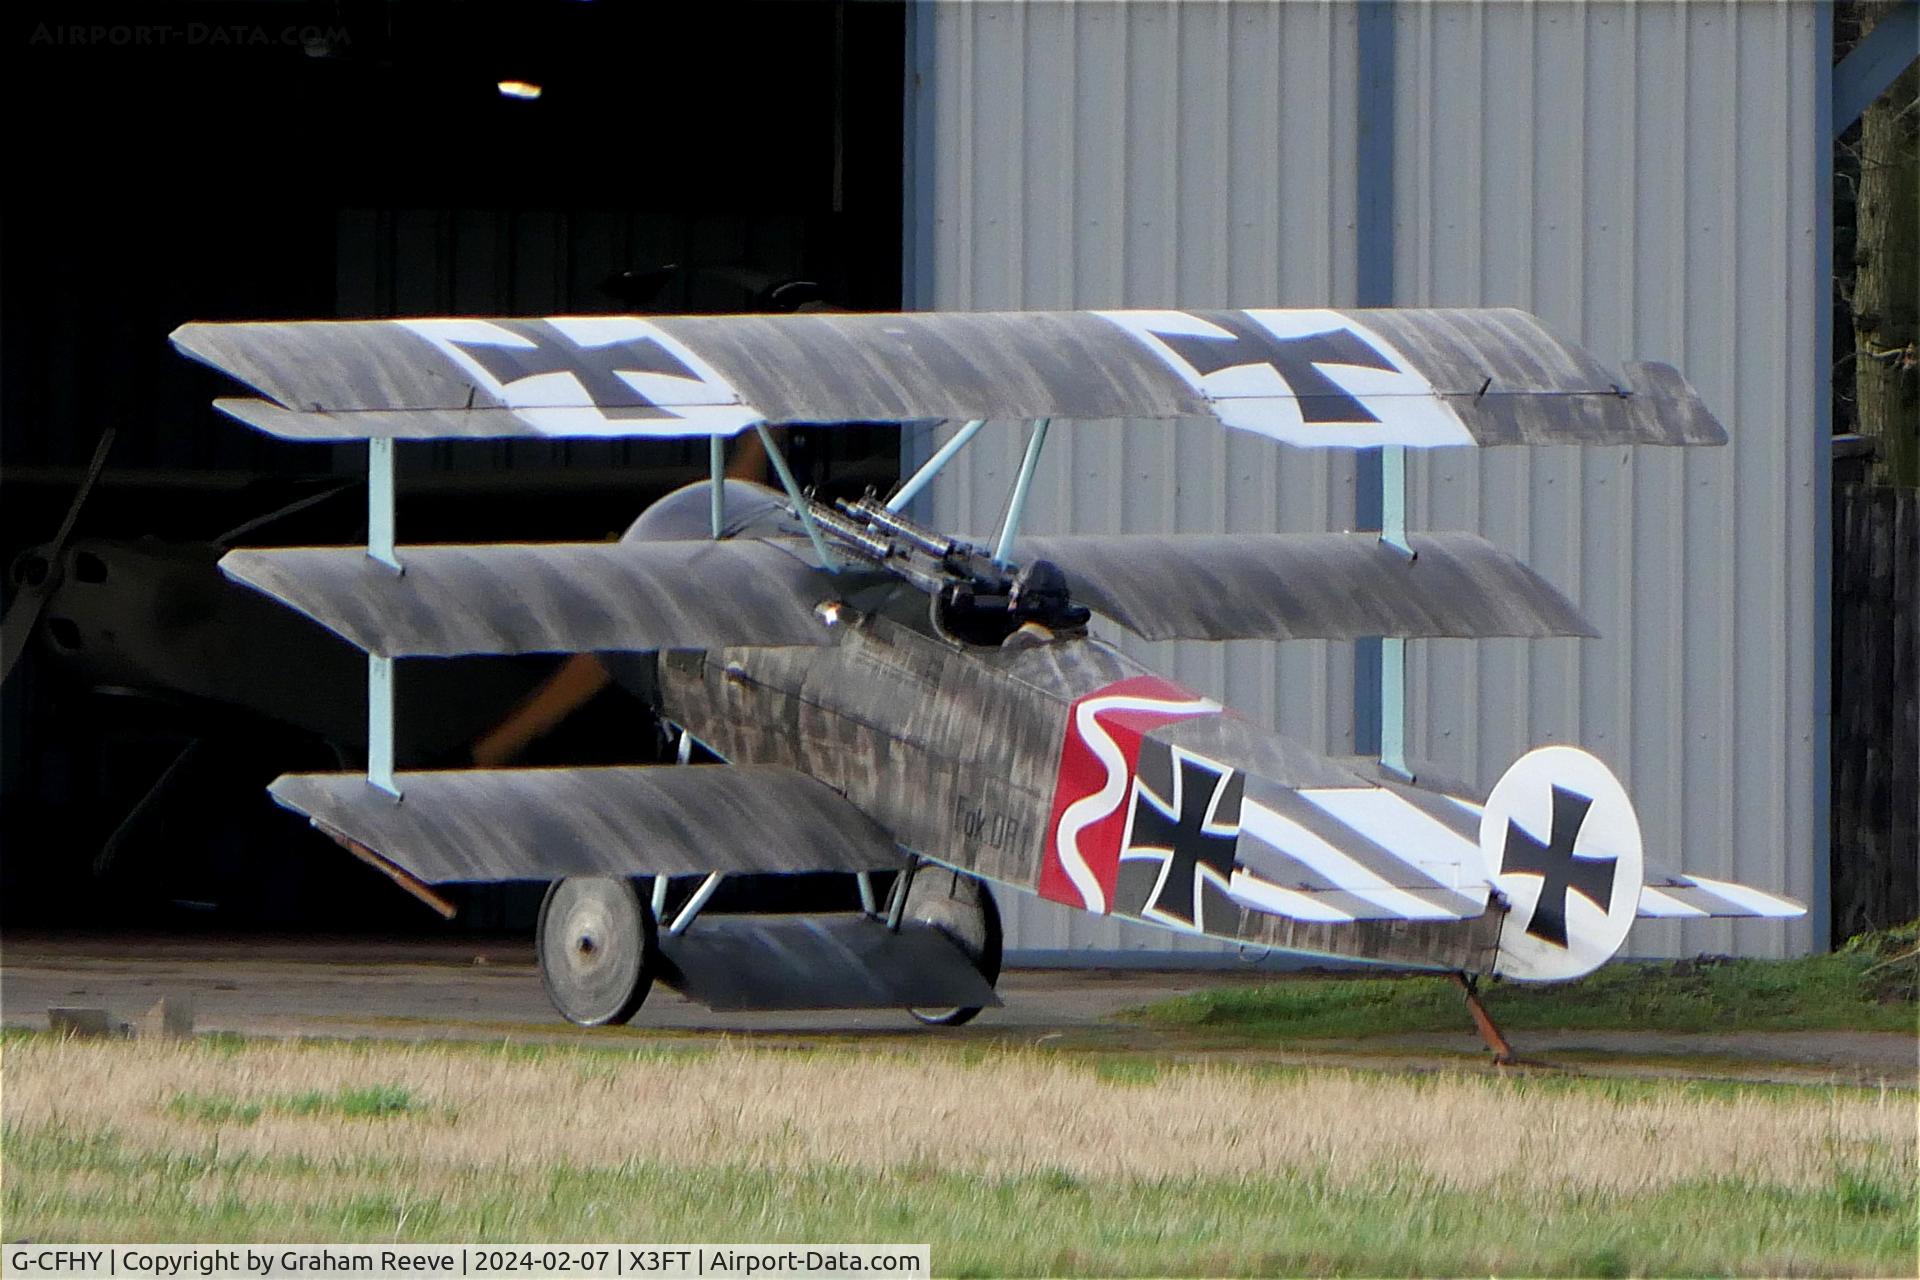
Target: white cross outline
1209,825
559,403
1255,398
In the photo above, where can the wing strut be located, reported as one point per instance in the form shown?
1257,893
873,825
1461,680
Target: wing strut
700,898
1393,649
1018,503
380,548
717,485
897,900
801,507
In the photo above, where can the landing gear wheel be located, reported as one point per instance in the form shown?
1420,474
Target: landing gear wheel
596,945
962,908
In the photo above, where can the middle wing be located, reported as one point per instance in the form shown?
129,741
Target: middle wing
1321,586
551,597
583,597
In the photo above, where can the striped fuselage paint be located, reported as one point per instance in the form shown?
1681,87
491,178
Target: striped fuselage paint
957,751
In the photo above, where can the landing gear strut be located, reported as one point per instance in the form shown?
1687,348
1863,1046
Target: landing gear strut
1502,1051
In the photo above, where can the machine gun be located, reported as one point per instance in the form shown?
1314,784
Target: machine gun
976,598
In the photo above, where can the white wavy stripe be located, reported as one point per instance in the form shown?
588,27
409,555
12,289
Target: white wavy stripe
1088,810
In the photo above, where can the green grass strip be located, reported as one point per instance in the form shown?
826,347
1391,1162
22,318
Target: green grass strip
1841,991
61,1185
369,1102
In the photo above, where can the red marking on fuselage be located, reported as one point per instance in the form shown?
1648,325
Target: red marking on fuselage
1081,859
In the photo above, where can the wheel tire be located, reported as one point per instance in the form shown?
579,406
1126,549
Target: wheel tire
596,942
961,907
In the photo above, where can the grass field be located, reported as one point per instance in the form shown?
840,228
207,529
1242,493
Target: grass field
1008,1162
1868,986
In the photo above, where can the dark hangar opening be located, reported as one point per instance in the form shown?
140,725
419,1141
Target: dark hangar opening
249,160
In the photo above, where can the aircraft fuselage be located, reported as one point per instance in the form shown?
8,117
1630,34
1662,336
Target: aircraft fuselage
1063,768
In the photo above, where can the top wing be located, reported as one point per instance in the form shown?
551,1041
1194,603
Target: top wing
1318,378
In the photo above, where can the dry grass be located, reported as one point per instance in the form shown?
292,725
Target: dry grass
1009,1115
287,1127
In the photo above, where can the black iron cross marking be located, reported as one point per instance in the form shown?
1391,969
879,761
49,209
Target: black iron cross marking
596,369
1296,360
1558,869
1186,841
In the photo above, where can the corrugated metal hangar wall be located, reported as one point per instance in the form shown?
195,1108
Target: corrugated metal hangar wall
1650,178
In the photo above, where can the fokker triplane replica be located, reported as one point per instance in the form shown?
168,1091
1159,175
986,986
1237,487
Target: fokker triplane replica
932,715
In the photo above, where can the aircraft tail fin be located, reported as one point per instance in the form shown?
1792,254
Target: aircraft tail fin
1562,844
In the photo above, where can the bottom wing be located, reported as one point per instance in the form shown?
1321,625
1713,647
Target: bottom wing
477,825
